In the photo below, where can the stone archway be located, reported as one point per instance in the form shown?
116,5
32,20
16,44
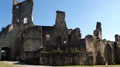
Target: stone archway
108,54
5,53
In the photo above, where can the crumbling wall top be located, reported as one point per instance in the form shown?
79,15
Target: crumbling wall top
60,12
22,12
98,26
98,31
117,37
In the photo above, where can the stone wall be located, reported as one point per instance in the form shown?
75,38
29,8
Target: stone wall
75,36
98,31
48,35
9,38
117,49
55,45
22,12
31,41
109,53
63,58
60,29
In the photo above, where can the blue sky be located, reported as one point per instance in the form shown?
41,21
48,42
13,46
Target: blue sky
79,13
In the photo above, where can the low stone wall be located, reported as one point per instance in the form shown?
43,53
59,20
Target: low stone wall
65,58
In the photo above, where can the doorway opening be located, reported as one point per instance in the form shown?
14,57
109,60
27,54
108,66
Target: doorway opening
6,53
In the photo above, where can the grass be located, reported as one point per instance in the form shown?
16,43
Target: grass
94,66
3,64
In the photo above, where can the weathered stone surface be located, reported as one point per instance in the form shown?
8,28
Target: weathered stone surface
32,39
98,31
54,45
10,36
117,49
60,28
117,38
75,36
99,59
66,58
89,43
22,12
109,53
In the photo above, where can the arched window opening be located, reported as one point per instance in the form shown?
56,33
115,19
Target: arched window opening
48,37
25,20
18,20
64,41
17,7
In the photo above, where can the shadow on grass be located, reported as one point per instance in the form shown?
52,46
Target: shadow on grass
24,64
21,63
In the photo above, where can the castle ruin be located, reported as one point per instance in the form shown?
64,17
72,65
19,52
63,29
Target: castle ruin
53,45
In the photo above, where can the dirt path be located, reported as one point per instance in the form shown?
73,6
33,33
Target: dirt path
16,63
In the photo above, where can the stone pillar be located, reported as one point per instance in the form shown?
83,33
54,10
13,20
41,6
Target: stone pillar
0,53
98,31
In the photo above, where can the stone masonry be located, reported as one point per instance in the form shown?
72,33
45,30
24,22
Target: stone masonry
54,45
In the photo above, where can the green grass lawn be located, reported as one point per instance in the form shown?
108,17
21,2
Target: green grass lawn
94,66
3,64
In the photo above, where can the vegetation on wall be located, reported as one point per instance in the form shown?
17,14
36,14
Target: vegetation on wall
96,41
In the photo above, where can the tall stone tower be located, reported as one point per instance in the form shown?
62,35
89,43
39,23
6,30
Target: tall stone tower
22,12
98,31
61,33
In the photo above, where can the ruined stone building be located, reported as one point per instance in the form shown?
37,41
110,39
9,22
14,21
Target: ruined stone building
53,45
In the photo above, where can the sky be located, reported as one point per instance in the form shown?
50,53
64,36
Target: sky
79,13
